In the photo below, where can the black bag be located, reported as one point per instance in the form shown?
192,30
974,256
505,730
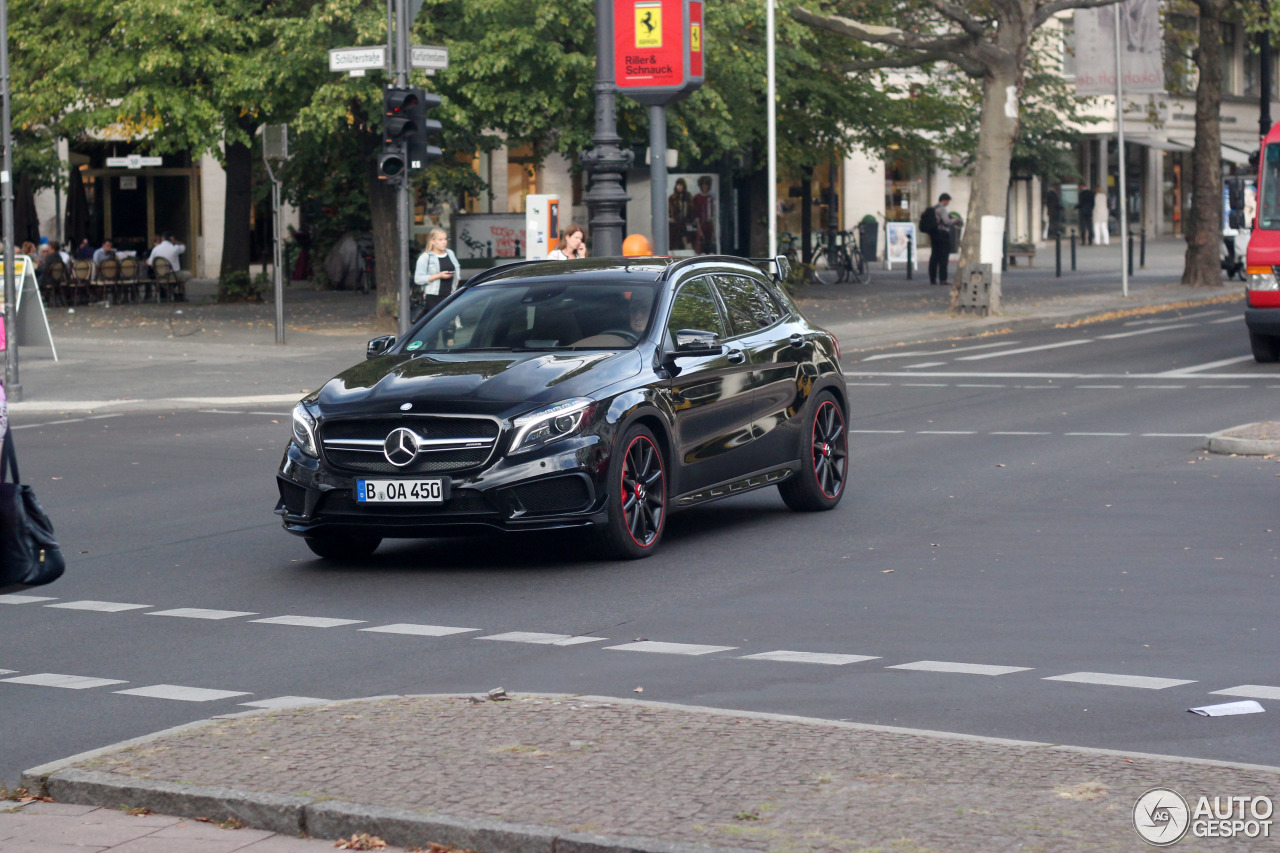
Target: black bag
929,221
29,556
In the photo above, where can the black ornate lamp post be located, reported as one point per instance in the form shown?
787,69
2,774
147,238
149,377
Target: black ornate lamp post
606,162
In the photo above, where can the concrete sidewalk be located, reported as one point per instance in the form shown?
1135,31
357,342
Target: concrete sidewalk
576,774
202,354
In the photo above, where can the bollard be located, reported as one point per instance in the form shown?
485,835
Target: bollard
1143,243
1130,254
911,255
1057,255
1073,251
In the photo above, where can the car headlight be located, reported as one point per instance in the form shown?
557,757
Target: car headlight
1262,278
541,427
304,430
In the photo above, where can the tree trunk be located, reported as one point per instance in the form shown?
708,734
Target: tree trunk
386,248
236,215
989,189
1204,221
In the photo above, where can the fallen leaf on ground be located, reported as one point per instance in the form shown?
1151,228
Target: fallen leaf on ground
363,841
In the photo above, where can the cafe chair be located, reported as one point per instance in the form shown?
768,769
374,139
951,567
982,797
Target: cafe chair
109,279
129,270
81,281
166,279
53,283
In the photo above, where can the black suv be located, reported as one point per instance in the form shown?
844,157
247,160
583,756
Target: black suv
602,393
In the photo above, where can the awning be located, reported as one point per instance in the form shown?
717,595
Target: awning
1230,153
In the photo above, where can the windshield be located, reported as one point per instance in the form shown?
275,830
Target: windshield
1269,212
543,315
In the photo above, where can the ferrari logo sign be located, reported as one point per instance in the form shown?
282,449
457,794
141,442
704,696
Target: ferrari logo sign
649,23
695,38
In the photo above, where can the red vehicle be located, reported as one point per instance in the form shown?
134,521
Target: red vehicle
1262,261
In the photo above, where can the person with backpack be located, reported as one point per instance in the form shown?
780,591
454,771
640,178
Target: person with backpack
939,223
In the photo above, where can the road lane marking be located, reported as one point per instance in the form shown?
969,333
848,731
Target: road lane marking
201,613
923,364
181,694
1250,691
1099,386
962,668
308,621
1158,387
70,682
878,431
946,432
1018,432
1100,434
542,639
1236,319
917,353
285,702
1145,331
100,606
809,657
15,598
7,671
1197,368
1145,682
922,385
669,648
979,385
1172,435
418,630
1040,348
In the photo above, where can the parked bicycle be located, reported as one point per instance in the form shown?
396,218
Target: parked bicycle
849,263
788,245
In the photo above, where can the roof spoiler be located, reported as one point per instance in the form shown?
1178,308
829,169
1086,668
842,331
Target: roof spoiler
485,275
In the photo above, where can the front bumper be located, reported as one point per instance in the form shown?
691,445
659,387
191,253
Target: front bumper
563,486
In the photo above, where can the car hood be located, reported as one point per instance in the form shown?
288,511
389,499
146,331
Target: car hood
475,383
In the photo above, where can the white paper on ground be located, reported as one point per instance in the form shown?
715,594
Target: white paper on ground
1227,709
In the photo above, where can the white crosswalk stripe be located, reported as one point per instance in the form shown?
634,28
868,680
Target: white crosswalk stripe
418,630
181,694
962,668
70,682
542,639
307,621
100,606
670,648
1112,680
15,598
809,657
201,613
285,702
1250,691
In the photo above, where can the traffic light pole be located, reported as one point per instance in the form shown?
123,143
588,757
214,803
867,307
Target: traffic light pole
402,187
12,387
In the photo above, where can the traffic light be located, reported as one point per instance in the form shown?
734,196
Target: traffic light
420,153
405,130
398,128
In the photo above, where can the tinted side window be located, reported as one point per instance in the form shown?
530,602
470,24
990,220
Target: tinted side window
750,307
695,308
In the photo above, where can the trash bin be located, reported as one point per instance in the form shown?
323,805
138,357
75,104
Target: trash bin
868,234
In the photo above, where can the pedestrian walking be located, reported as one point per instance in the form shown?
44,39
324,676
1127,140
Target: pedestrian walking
572,245
680,223
1084,206
1101,218
436,271
943,229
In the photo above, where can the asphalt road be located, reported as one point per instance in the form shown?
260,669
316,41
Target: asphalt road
1030,515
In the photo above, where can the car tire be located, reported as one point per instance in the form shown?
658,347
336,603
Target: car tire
1266,349
637,497
343,546
824,460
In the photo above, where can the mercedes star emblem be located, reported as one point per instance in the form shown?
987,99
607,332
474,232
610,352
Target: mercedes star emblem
401,447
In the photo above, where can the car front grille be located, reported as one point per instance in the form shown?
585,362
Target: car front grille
443,444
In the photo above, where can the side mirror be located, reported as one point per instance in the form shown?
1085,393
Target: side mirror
696,342
782,268
378,346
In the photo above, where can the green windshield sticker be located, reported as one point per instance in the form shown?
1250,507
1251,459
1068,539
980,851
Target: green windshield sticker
413,346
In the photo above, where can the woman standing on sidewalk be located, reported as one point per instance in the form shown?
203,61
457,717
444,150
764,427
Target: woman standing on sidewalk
436,271
1101,218
572,245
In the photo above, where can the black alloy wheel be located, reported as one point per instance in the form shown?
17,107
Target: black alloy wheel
819,484
637,497
343,545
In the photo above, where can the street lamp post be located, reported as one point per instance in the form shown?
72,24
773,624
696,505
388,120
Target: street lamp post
12,387
606,161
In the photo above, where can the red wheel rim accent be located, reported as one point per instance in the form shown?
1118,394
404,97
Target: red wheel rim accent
830,449
643,489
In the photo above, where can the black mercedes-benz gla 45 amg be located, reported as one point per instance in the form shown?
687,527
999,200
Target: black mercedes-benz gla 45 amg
600,393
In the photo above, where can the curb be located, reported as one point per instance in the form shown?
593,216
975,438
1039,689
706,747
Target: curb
1235,441
332,819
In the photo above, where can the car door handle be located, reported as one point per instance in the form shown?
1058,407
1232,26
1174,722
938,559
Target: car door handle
797,341
736,356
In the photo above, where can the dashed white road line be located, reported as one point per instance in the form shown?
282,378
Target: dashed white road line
1250,691
100,606
1145,331
1198,368
809,657
670,648
308,621
1021,350
963,668
418,630
181,694
70,682
1145,682
15,598
1104,434
542,639
1018,432
201,613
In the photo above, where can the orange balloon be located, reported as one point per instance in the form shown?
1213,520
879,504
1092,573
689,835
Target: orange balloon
636,246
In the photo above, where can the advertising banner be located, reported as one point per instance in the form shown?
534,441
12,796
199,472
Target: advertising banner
657,49
1141,49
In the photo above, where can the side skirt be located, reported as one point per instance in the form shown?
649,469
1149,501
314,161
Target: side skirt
758,480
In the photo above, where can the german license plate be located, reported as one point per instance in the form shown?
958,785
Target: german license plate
400,491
